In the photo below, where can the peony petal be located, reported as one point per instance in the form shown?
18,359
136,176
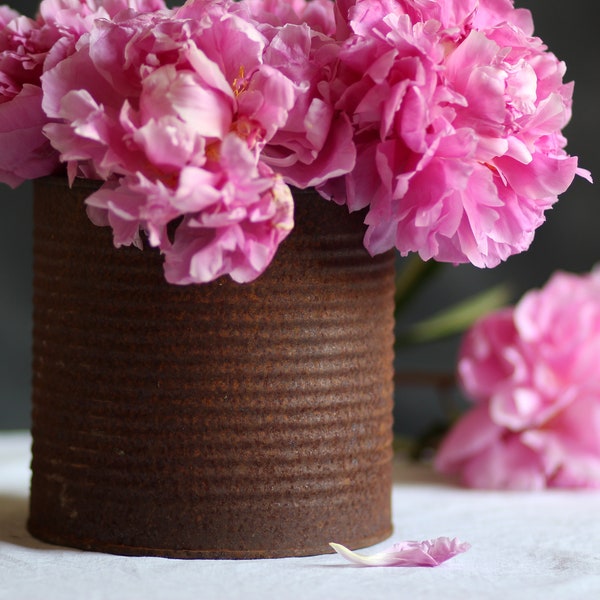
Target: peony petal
167,91
429,553
26,152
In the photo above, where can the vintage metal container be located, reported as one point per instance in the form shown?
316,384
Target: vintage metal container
210,421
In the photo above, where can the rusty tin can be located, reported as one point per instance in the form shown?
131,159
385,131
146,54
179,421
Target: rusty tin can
221,420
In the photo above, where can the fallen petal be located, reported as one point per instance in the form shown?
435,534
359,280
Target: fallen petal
429,553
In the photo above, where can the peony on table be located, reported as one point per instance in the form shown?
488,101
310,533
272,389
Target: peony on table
532,374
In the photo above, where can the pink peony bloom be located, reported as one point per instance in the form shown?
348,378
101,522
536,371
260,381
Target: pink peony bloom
28,47
26,153
532,371
429,553
457,112
173,108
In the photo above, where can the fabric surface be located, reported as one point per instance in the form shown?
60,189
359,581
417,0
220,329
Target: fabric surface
524,545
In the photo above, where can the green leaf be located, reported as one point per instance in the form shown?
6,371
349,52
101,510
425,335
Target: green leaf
457,318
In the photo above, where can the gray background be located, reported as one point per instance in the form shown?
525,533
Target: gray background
568,240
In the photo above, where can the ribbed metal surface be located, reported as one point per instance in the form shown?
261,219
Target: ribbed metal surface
220,420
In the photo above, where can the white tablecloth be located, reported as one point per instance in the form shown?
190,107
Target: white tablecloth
524,545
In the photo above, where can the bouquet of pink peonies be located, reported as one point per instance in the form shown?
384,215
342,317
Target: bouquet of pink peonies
532,374
440,120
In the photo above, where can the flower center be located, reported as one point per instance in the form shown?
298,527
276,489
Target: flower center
240,83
